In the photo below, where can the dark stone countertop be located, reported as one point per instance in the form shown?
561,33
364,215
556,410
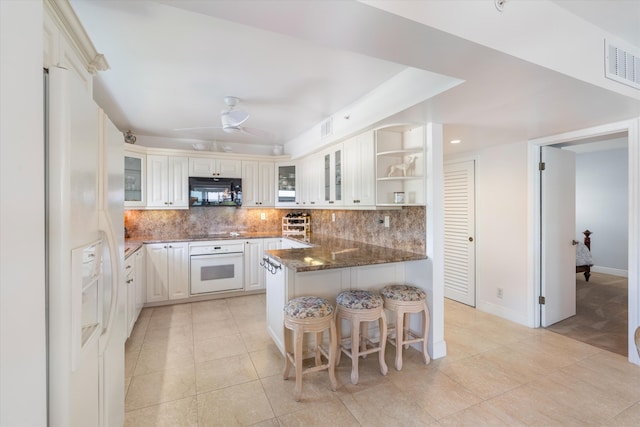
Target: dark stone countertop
329,252
326,252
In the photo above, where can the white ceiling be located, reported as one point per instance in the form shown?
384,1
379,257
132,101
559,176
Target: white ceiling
293,64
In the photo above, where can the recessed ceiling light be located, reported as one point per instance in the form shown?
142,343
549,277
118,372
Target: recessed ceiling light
455,141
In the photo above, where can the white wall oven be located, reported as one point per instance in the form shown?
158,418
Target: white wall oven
216,267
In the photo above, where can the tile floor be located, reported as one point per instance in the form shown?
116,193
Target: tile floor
212,363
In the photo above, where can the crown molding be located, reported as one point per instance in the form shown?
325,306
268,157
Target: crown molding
68,21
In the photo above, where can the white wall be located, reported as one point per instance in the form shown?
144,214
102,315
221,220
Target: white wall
22,288
602,207
502,241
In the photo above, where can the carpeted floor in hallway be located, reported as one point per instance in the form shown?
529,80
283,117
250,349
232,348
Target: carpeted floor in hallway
601,313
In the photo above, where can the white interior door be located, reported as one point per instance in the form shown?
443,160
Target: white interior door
459,232
558,225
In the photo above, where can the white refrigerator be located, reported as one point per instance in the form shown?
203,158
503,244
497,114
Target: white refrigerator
85,250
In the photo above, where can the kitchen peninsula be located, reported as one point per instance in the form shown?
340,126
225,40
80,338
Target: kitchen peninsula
329,266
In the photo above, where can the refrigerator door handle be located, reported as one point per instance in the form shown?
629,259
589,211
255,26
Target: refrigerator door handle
104,224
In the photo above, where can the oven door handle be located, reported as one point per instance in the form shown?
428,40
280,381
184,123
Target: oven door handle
217,255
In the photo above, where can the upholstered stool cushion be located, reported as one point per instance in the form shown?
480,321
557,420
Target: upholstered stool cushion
309,306
362,300
403,293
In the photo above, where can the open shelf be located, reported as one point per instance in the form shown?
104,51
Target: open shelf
400,167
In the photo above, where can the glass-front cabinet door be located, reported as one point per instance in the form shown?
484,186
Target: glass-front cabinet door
333,176
286,184
134,177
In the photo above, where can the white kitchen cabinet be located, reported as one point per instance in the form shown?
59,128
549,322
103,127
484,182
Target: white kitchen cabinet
134,179
312,186
178,270
134,271
130,286
359,171
271,243
253,271
332,176
167,182
141,280
400,166
292,244
286,185
207,167
167,271
258,184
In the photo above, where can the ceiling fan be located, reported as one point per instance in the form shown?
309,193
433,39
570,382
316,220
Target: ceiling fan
231,118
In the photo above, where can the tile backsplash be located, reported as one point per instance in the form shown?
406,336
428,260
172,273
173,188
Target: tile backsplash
406,229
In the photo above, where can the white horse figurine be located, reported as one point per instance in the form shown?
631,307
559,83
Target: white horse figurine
406,167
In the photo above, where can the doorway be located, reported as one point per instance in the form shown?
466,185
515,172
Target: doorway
601,300
631,129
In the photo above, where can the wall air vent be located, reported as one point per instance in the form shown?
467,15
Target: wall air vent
622,65
326,128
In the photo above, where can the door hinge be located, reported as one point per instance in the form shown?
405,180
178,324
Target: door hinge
540,300
541,166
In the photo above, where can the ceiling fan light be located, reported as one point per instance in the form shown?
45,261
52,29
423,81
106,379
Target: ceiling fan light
233,117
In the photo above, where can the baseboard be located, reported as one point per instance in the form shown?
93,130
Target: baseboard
505,313
611,271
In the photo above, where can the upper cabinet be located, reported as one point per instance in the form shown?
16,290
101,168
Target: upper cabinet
286,185
134,179
207,167
167,182
332,176
258,184
311,182
400,166
359,171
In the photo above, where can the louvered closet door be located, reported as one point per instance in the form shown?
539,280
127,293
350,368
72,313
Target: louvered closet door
459,232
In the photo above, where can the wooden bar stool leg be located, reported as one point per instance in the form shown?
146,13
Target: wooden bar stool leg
407,323
332,355
338,326
399,339
297,356
317,349
287,350
425,334
364,334
355,353
383,343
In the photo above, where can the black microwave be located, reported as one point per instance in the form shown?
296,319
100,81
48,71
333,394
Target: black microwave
215,191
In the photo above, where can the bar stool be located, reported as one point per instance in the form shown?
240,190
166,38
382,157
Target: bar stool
315,315
360,306
404,300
